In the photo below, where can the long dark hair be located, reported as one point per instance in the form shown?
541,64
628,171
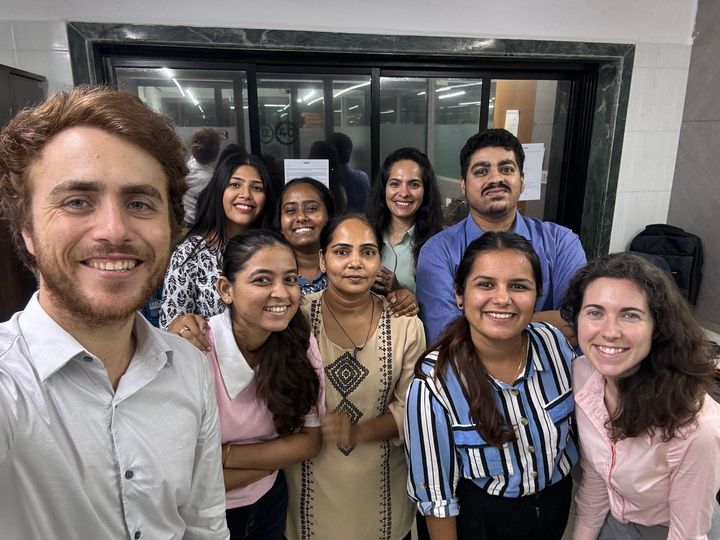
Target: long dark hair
455,346
211,221
284,378
429,217
667,391
322,191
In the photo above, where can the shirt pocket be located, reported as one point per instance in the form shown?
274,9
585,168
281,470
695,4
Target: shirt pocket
479,458
560,411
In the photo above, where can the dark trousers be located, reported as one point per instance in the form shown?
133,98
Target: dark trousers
264,519
542,516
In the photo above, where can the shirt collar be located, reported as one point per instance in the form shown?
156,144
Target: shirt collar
473,231
234,369
51,347
407,237
590,396
537,364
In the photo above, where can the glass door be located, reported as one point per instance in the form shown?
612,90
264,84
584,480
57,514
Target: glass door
194,98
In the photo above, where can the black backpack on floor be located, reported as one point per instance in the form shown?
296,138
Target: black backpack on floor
682,251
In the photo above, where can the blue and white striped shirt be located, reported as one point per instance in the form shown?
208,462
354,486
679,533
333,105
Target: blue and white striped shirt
442,442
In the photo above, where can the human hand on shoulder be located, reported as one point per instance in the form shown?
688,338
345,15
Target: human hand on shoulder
403,302
385,281
191,327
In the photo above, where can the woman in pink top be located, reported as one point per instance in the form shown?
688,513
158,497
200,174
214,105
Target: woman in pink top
649,433
268,381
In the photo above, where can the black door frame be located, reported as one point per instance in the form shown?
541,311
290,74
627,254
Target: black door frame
599,94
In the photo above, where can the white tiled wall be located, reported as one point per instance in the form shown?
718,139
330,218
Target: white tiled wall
40,47
652,130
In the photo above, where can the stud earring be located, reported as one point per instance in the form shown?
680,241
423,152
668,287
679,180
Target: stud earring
460,305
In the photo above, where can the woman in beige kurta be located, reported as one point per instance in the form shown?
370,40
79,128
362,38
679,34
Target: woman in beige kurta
358,491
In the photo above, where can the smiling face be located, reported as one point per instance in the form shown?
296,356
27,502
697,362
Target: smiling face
352,258
243,199
615,326
302,217
493,183
499,297
100,229
404,190
264,295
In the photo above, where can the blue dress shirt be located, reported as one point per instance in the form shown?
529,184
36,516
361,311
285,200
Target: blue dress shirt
558,248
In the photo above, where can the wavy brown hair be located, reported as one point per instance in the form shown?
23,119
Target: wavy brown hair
118,113
667,391
284,378
456,348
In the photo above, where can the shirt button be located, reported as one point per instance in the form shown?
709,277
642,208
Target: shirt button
88,358
531,449
524,421
137,534
533,474
129,474
514,392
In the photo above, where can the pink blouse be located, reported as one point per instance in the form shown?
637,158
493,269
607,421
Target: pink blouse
243,418
642,479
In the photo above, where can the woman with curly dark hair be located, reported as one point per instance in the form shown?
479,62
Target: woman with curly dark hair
405,203
649,433
268,381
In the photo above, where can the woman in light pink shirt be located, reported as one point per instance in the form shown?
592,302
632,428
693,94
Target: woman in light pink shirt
649,433
268,381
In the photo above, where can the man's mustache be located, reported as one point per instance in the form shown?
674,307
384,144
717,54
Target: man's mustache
496,185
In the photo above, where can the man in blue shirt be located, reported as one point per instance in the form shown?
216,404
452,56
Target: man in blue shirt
492,180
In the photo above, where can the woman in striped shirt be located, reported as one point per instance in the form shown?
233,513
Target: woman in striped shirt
488,435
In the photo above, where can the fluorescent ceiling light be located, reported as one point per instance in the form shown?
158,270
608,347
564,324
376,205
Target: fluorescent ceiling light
452,94
349,88
179,87
307,96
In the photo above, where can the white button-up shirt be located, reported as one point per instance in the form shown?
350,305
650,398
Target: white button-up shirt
79,460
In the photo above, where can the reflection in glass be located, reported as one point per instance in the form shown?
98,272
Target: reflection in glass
541,107
403,114
351,116
456,106
294,114
193,98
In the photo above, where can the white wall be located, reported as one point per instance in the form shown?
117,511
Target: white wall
652,131
661,29
651,21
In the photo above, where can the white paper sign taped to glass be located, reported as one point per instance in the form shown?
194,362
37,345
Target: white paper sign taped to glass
319,169
534,155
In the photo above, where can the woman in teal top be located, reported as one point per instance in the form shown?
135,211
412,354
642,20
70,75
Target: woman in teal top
405,202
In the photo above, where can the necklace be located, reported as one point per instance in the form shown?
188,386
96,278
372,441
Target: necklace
356,348
523,357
